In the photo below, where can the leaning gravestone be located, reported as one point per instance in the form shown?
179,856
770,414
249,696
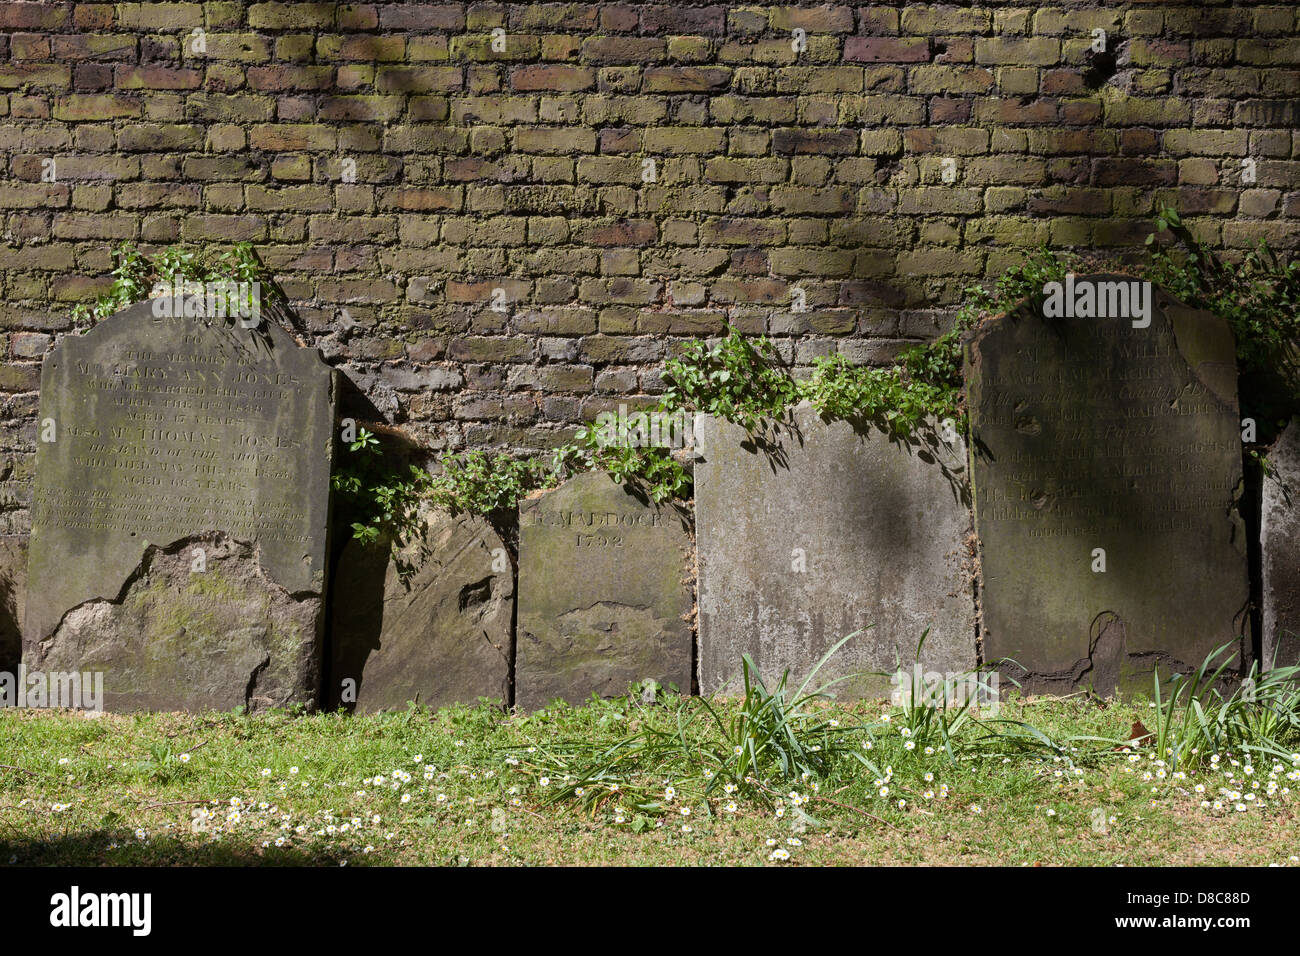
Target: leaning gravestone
604,593
820,530
180,513
1106,455
430,623
1280,544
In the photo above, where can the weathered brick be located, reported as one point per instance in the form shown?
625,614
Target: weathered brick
1036,51
47,75
887,49
1205,142
291,16
96,106
283,76
25,15
151,137
609,50
686,79
422,16
931,20
818,142
552,76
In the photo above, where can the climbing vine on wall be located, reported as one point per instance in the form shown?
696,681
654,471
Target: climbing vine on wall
744,379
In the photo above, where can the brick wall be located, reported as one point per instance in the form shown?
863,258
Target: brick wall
524,170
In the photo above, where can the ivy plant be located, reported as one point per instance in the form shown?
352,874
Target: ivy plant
1259,297
135,275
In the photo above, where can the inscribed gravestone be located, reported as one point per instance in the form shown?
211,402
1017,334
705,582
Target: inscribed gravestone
1106,461
823,530
431,623
1280,545
604,593
180,513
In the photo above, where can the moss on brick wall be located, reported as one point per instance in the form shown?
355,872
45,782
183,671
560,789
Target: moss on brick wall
394,167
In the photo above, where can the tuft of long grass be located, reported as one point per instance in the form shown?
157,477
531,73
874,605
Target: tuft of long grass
1196,719
772,738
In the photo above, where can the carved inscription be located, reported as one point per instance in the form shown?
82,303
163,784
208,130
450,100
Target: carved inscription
162,428
610,523
187,434
603,593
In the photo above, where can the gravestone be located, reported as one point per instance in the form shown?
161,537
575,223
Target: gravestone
604,593
1280,547
13,597
1106,455
180,513
431,623
820,530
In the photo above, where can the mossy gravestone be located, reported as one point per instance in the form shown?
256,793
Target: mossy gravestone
817,530
180,513
1106,453
1280,544
604,593
429,623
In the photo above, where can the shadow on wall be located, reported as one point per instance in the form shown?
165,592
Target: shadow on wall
924,442
361,588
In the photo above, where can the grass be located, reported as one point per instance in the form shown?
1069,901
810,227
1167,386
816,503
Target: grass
168,789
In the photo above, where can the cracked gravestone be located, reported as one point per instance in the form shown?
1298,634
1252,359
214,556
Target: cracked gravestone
1106,462
1280,547
180,513
430,623
604,593
819,530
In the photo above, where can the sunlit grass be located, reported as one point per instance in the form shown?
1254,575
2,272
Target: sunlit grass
475,786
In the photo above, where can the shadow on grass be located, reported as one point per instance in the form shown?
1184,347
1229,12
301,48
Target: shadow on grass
91,848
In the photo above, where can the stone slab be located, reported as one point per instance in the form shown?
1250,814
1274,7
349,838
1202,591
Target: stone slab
1280,551
822,530
431,623
13,598
1098,433
605,595
168,433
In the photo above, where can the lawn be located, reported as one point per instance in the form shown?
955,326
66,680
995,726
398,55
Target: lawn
626,782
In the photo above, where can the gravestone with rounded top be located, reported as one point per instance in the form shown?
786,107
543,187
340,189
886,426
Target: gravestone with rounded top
604,593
